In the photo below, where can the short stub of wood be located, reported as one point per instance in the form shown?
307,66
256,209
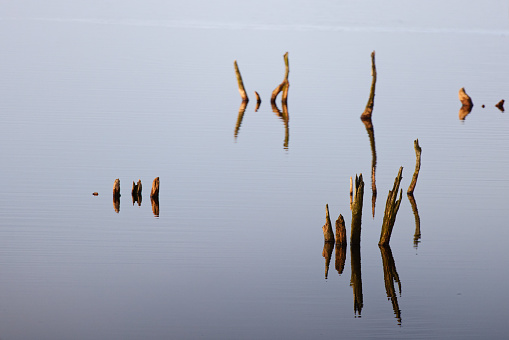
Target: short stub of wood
155,188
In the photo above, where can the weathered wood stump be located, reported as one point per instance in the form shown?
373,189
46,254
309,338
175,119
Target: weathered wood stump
284,86
155,188
391,209
328,234
242,90
355,232
418,151
116,188
136,192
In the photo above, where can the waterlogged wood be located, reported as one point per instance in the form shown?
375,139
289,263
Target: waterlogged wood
328,234
116,188
418,150
284,86
340,231
391,276
417,234
356,278
242,110
327,254
391,209
368,111
155,188
355,233
242,90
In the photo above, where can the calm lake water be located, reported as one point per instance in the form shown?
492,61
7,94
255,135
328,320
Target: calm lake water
95,91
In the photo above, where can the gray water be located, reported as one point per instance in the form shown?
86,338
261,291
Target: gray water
94,91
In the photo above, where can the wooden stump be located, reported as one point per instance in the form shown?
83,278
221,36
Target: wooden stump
391,209
155,188
242,90
418,150
355,232
328,234
116,188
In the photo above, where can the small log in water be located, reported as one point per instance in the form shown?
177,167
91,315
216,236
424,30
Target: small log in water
155,188
355,233
284,86
418,150
242,90
391,209
328,234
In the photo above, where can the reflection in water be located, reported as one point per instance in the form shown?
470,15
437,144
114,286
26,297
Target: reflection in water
116,203
366,119
464,111
285,117
154,200
356,279
242,110
327,254
136,192
417,235
391,275
340,257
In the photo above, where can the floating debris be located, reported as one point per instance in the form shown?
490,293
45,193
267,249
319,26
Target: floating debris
95,193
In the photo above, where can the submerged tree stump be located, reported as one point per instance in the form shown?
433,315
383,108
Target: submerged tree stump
466,102
355,233
258,101
328,234
368,111
116,188
155,188
242,90
340,231
391,209
418,150
284,86
500,105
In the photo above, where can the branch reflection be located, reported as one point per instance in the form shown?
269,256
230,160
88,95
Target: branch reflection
417,234
242,110
327,254
154,200
285,117
356,278
391,275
